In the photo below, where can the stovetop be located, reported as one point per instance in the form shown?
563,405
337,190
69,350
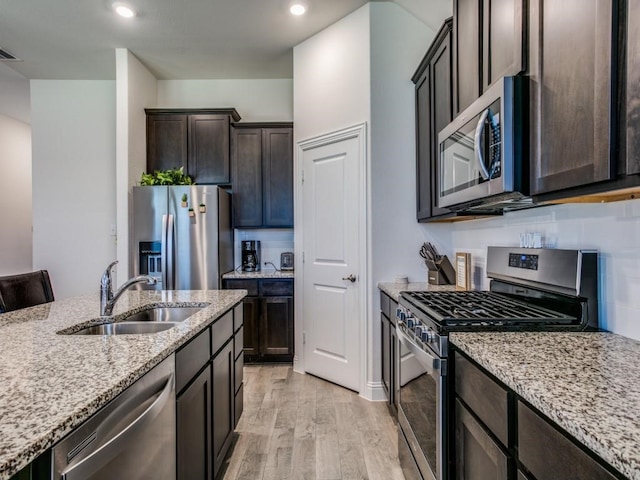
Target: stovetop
481,308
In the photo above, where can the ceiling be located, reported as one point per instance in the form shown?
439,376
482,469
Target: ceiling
188,39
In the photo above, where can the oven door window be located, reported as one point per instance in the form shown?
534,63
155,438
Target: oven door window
472,155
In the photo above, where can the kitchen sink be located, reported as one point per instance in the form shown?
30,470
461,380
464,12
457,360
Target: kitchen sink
162,314
127,328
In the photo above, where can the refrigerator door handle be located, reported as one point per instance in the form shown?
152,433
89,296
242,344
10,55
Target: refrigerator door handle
170,264
163,251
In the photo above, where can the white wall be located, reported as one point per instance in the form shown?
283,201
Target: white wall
273,241
15,197
331,72
611,228
74,203
136,89
14,94
255,100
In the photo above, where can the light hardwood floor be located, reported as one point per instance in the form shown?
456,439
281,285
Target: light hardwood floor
299,427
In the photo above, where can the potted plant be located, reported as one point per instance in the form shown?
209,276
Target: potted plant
202,208
192,213
172,176
184,200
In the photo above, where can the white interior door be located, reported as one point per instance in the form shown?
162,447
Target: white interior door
333,246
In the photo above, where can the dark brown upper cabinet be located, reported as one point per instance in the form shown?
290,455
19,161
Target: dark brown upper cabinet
433,112
632,113
195,139
262,164
572,66
488,39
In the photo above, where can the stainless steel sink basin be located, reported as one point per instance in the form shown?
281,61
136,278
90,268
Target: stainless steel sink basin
162,314
127,328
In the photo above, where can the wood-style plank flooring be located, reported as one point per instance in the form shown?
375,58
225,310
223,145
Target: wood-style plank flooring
299,427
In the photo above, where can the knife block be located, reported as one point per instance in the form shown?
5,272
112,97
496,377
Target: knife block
444,274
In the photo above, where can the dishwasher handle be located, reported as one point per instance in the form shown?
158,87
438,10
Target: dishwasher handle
93,462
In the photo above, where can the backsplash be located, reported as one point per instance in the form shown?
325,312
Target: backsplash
611,228
273,241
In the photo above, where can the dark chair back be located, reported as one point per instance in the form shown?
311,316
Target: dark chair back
25,290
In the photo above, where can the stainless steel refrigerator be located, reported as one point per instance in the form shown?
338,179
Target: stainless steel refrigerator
181,235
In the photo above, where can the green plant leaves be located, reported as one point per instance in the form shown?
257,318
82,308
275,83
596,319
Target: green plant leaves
175,176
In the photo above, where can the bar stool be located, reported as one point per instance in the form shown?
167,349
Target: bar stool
25,290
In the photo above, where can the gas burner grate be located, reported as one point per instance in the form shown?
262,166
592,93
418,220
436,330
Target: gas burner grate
462,308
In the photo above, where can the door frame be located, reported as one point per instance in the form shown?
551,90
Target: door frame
359,132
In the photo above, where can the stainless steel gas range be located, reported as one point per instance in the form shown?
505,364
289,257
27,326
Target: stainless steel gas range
530,290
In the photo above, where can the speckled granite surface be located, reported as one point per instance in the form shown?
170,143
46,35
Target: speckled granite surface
50,383
394,289
587,383
260,274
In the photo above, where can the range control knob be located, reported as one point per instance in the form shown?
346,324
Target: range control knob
410,320
428,336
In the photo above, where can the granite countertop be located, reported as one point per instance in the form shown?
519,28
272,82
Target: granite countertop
587,383
393,289
261,274
50,383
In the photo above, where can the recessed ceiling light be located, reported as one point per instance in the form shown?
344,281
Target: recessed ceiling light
298,8
124,10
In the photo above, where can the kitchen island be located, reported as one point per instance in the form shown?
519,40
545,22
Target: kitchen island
586,383
52,382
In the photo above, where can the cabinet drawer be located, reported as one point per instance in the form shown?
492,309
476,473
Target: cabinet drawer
384,303
238,317
477,455
547,453
221,331
276,287
238,343
250,286
485,397
191,358
239,403
239,376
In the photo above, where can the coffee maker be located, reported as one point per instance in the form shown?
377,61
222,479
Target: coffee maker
250,255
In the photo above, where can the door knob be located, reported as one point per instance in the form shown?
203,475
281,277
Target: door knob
351,278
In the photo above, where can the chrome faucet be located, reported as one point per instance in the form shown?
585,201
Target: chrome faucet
108,299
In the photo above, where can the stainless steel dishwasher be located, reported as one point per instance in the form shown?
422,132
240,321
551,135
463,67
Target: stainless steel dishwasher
132,437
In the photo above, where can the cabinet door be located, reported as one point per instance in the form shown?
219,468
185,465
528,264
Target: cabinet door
502,46
571,93
547,453
247,177
477,456
251,314
193,411
384,350
277,170
424,170
467,52
223,398
633,89
442,112
276,326
209,149
166,142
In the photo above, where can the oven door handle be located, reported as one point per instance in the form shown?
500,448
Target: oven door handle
431,363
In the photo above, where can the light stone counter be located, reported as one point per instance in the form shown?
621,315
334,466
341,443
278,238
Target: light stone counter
587,383
50,383
261,274
393,289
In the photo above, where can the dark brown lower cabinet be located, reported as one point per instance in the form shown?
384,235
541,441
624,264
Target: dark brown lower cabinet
223,401
209,396
193,410
478,457
495,435
268,318
547,453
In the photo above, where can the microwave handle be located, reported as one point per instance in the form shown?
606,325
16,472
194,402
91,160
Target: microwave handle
477,145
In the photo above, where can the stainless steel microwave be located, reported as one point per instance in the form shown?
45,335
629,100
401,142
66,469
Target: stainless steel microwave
482,163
